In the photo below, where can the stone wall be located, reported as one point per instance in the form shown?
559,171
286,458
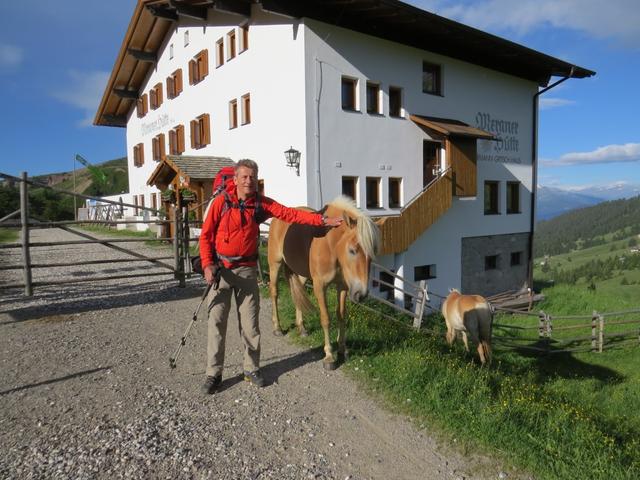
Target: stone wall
478,279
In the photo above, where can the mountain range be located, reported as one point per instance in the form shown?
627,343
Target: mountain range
553,201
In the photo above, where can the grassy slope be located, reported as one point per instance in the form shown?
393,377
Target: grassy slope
560,416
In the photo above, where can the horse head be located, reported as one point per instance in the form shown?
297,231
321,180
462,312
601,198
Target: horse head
358,243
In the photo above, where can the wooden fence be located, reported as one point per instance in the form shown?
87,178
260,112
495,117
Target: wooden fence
180,268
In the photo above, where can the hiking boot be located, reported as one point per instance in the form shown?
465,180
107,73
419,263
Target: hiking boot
254,378
211,384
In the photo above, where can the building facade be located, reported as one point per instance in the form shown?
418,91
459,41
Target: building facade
436,138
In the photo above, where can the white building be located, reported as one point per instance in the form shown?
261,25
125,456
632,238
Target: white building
380,99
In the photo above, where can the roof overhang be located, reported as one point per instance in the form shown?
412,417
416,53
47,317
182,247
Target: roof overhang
388,19
188,169
451,128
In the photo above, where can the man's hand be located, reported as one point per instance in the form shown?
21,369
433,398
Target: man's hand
210,273
332,221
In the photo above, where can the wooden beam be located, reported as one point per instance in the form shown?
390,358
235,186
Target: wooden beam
143,56
230,6
123,93
161,11
190,11
115,120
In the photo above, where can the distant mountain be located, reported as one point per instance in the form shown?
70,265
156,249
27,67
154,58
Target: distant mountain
612,192
552,202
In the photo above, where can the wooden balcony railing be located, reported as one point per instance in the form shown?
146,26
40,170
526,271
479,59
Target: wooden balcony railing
400,231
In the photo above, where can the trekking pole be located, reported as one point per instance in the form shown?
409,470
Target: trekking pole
183,340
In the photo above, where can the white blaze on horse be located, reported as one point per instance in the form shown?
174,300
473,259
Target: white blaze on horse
472,316
340,255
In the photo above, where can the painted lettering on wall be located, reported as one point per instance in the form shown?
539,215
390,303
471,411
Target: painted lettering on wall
506,149
158,124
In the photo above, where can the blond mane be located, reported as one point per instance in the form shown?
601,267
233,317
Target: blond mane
367,231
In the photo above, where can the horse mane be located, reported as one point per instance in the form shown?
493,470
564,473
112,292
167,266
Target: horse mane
367,231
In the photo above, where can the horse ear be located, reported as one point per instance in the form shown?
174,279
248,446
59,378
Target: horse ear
350,222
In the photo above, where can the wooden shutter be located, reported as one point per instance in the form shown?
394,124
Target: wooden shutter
154,148
159,98
180,138
204,63
205,127
177,82
161,149
141,145
463,160
192,72
194,126
172,142
171,87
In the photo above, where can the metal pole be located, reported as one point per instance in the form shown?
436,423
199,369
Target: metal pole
75,209
24,219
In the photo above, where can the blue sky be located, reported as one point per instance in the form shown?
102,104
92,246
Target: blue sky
55,59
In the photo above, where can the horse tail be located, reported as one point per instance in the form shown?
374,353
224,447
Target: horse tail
298,292
486,330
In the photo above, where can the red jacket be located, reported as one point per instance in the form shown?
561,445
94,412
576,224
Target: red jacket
233,237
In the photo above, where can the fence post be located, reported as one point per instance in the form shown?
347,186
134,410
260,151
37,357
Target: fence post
541,324
179,272
601,339
24,219
594,341
419,306
186,235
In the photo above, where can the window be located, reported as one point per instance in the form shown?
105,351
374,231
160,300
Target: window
491,262
176,140
199,67
350,187
142,106
219,53
155,96
373,98
186,38
246,109
233,113
244,37
513,197
159,199
135,202
200,131
171,52
138,155
141,202
395,102
424,272
431,78
158,147
491,198
231,44
174,84
349,93
395,192
154,201
373,192
516,258
387,284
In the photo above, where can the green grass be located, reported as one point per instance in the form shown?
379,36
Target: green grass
560,416
9,235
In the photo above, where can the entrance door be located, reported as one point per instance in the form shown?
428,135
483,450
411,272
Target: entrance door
430,161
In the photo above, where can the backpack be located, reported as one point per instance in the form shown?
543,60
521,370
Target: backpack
221,183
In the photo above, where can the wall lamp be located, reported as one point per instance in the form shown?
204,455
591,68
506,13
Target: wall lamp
292,156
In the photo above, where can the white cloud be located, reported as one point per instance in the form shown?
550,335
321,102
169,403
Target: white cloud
84,91
619,19
10,57
627,153
547,103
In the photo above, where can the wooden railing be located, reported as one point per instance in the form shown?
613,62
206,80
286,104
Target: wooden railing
400,231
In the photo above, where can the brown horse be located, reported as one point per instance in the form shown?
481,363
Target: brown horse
471,315
341,255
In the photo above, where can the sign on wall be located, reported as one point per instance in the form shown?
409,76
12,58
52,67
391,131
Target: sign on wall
506,149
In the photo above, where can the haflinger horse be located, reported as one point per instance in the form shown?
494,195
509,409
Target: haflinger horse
472,316
340,255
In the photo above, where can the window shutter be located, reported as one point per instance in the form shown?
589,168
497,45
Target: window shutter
170,88
204,64
178,82
154,147
172,142
193,125
141,154
192,72
159,94
206,129
161,150
180,138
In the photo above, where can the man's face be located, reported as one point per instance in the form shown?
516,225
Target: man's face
245,180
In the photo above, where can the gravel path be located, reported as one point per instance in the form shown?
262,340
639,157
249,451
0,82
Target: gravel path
87,392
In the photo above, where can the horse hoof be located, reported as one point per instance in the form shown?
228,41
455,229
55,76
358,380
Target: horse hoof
278,333
329,365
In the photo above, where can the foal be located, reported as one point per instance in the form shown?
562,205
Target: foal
471,315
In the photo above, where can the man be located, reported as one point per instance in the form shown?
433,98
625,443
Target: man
229,253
